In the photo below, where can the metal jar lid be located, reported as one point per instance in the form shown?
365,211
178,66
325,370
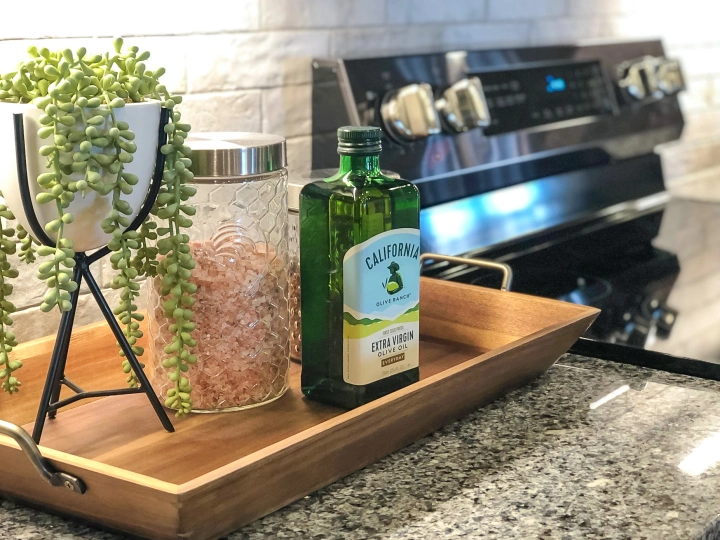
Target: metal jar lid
296,183
219,158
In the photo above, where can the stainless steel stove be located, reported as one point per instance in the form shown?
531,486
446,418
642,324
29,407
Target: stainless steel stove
539,157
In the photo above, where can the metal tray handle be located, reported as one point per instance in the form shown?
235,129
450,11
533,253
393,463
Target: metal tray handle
481,263
41,465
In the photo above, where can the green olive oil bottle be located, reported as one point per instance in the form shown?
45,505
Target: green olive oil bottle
360,277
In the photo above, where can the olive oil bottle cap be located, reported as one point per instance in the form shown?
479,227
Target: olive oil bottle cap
354,140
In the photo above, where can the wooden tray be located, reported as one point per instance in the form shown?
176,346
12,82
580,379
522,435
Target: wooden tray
219,472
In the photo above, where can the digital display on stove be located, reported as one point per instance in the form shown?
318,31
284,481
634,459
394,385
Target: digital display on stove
555,84
527,97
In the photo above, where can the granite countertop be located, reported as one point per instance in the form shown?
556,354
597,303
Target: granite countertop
590,450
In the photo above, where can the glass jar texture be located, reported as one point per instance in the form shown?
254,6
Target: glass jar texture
239,241
294,285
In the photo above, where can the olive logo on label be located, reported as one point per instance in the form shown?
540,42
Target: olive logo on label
394,283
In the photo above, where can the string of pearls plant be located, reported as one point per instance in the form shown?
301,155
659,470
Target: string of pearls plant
87,149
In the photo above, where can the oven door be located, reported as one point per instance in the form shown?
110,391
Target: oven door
652,264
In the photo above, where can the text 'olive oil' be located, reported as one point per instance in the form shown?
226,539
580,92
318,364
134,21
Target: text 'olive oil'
360,277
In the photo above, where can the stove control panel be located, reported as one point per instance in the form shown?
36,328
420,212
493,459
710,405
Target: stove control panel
533,96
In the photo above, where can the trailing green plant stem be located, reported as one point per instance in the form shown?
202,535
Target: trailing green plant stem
175,268
27,245
8,366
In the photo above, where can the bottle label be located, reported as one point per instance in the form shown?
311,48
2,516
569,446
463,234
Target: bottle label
381,317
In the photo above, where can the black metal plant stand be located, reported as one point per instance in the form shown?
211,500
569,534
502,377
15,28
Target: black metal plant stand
50,401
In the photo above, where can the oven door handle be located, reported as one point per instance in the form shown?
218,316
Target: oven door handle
481,263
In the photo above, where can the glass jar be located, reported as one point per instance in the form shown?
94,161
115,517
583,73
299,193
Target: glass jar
295,185
239,241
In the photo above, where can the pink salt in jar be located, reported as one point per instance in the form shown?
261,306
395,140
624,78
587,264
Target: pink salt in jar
239,241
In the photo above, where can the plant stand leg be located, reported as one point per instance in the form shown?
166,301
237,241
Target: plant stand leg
56,372
124,345
57,385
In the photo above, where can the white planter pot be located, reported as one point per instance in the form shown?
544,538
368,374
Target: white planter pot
85,230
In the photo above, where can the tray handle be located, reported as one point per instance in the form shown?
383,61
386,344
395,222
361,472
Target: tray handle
482,263
41,465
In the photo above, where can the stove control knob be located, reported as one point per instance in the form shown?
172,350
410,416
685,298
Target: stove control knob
463,105
639,78
633,83
409,113
670,77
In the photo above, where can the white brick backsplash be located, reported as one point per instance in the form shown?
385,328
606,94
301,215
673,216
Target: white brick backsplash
681,159
526,9
701,124
281,14
28,290
702,93
671,25
698,61
223,111
428,11
702,185
299,151
157,18
567,30
255,60
21,26
287,110
210,16
32,323
485,35
593,7
632,27
358,42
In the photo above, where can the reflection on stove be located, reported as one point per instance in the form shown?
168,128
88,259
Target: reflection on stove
691,229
